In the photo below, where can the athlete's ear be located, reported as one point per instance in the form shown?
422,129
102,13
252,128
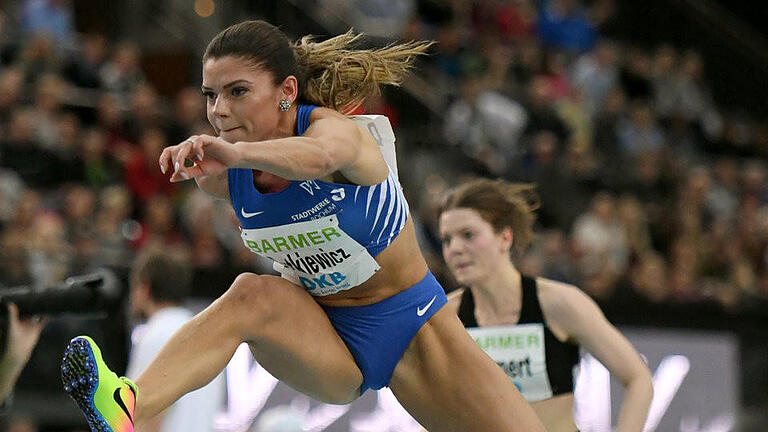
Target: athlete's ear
289,89
507,238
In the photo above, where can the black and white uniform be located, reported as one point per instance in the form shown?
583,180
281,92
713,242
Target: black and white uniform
537,362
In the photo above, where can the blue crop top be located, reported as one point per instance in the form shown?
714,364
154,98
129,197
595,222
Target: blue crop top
319,234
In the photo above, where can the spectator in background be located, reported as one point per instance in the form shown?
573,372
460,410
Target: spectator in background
114,228
38,56
99,166
201,215
540,109
573,111
122,72
664,81
49,17
499,62
78,210
753,181
635,75
515,20
158,225
683,281
14,270
84,67
691,212
555,75
722,198
111,118
527,63
50,254
552,250
19,150
48,94
567,24
600,239
188,116
145,110
160,281
68,147
11,188
377,18
26,210
694,98
640,133
544,163
648,280
484,124
11,88
596,73
648,181
752,230
449,52
633,218
7,36
140,170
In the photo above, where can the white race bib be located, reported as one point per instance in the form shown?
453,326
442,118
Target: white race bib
315,254
519,351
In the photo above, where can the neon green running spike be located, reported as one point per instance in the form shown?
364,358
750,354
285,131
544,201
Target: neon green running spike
107,401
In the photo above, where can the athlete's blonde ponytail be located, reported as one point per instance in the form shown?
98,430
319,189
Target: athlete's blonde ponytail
337,76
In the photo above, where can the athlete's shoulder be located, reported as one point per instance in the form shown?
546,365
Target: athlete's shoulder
558,297
564,305
555,287
331,123
322,113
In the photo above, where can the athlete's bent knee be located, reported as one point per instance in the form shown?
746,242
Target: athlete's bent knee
252,296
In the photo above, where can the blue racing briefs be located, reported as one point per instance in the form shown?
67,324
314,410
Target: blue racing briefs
378,334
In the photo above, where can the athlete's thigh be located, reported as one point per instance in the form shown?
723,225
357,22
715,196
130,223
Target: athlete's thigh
299,346
448,383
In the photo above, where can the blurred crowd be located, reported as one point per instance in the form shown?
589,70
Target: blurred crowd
81,131
648,189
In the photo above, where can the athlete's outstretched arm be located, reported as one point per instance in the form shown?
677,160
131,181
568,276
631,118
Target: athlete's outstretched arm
331,143
579,316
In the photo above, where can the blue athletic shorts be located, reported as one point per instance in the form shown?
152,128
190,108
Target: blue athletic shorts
378,334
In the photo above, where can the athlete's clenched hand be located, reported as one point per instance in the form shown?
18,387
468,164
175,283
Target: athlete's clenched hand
198,156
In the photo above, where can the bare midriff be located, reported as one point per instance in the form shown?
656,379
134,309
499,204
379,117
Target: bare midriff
402,266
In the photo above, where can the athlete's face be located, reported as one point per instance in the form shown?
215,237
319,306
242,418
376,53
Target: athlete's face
243,100
472,249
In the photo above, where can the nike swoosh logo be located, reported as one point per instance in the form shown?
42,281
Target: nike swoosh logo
422,311
249,215
121,404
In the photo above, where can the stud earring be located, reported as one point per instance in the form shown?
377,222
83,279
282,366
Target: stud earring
285,105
